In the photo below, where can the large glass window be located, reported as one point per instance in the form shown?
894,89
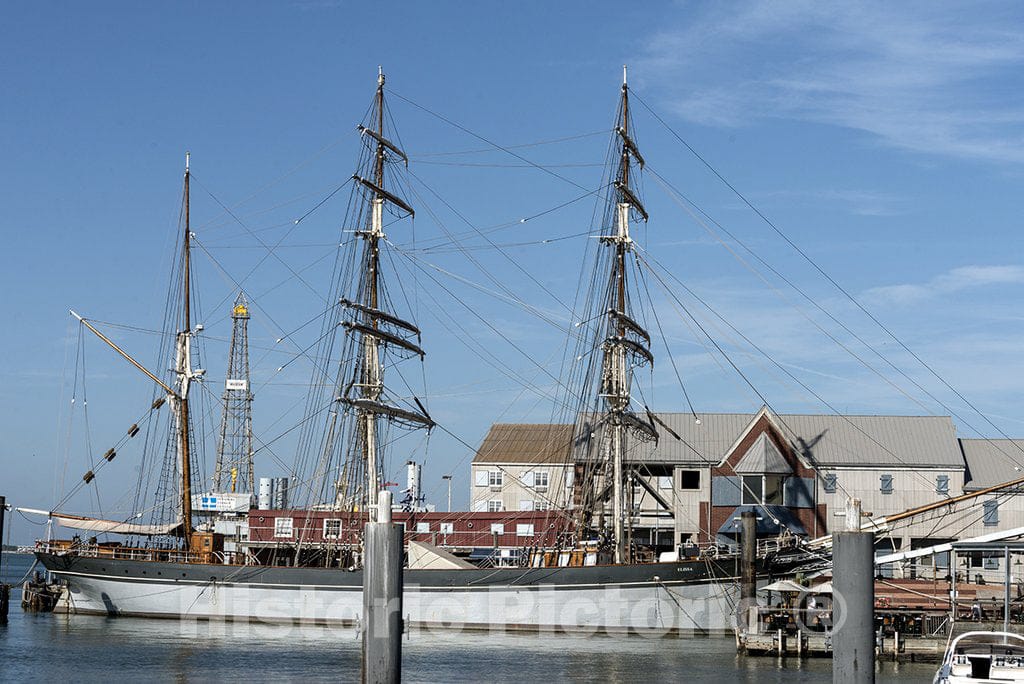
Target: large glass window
752,485
773,495
764,489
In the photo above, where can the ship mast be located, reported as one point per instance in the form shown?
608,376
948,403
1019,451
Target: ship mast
627,342
377,329
183,369
371,380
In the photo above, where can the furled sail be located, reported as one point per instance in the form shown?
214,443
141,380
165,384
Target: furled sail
97,525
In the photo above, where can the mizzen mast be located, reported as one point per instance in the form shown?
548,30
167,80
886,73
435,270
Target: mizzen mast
185,374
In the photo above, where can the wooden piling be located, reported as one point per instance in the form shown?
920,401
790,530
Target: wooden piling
382,597
748,577
853,580
5,589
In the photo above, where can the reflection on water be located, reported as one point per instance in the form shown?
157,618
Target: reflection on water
77,648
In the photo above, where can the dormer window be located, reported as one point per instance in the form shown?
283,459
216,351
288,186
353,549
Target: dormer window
763,470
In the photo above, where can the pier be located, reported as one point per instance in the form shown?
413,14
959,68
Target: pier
913,620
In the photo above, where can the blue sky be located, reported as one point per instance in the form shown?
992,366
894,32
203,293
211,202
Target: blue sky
884,140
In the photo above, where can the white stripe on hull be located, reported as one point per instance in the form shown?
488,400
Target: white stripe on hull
649,608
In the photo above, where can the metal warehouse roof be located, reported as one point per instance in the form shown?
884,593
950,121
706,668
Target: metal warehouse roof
992,461
825,440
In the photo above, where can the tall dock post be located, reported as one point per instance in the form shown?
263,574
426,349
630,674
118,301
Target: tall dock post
5,589
853,580
748,571
382,597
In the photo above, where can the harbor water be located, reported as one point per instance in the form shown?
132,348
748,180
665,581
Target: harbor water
47,647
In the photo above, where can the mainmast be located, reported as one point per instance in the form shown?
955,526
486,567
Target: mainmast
374,326
371,380
627,343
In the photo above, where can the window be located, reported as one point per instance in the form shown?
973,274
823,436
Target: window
942,484
481,478
524,530
423,527
773,491
497,528
448,528
332,528
282,527
543,506
494,506
494,478
885,484
763,489
991,514
665,482
830,483
752,489
689,479
526,505
540,480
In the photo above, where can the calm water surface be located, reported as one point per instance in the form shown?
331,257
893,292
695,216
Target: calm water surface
86,648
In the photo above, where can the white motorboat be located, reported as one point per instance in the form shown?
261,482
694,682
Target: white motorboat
983,657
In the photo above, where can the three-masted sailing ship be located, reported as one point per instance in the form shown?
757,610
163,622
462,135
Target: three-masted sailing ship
188,573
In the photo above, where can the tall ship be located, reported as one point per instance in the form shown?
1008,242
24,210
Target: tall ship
578,566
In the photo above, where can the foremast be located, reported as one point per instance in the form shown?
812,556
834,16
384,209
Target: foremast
627,343
375,328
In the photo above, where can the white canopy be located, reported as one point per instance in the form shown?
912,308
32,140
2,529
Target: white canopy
785,586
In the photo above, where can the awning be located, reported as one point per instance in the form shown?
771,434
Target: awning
96,525
771,520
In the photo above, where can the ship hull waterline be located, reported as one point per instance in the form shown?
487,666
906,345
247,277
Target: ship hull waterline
680,598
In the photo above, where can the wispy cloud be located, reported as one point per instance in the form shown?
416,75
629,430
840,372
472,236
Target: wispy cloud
955,280
927,77
859,202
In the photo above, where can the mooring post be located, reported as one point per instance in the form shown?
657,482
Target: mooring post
5,589
1006,588
382,597
748,570
853,582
